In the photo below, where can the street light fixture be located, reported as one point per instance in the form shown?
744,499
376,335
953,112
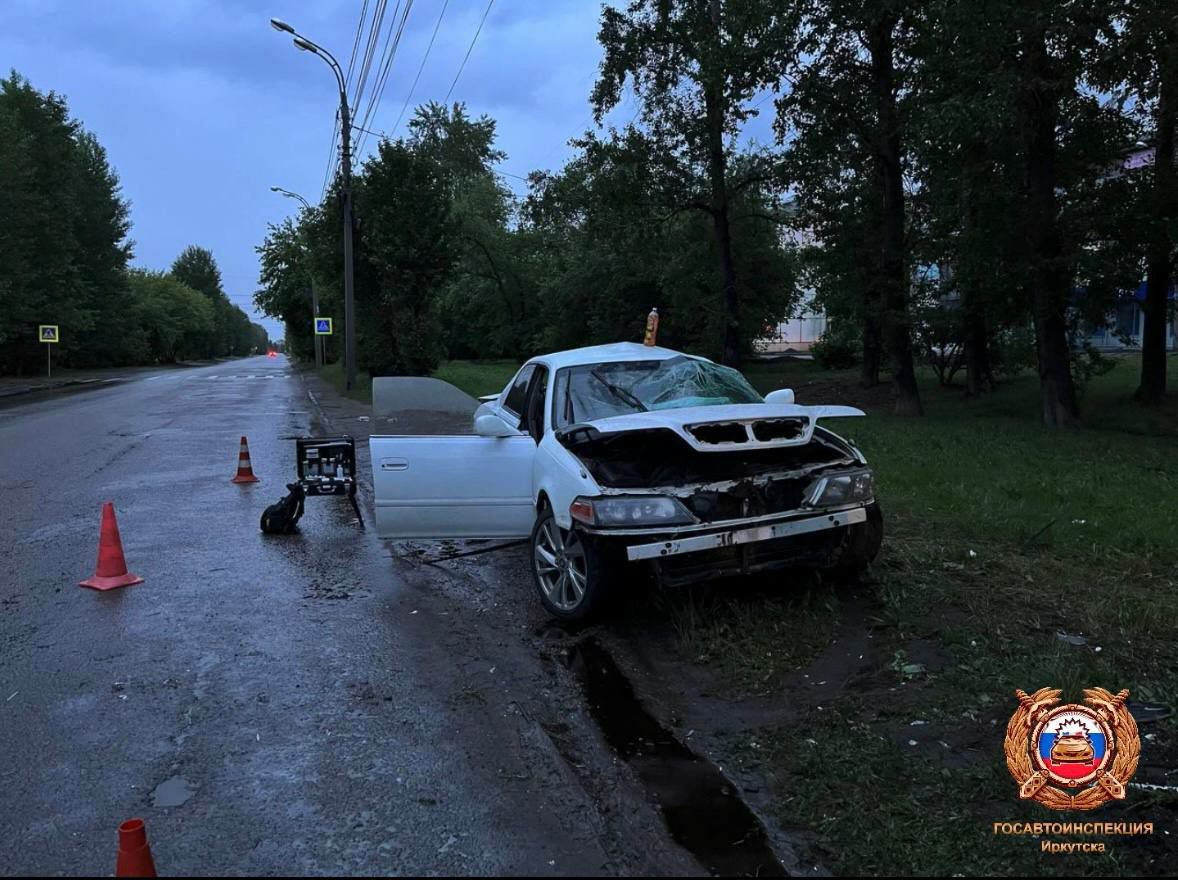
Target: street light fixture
291,195
314,48
310,277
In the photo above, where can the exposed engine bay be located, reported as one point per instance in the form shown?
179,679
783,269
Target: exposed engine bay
725,484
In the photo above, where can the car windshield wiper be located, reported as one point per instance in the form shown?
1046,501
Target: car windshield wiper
620,393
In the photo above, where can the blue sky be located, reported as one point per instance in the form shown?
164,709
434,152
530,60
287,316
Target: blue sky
202,106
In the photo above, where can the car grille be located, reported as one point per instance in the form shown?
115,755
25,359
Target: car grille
763,430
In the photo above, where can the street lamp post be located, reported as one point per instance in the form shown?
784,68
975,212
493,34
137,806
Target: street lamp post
346,158
318,340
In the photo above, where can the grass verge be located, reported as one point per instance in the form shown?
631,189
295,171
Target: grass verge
477,378
1002,539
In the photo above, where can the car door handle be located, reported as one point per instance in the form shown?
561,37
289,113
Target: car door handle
394,464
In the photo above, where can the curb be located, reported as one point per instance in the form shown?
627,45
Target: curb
33,389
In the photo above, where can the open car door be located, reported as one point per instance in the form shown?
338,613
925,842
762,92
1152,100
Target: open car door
453,486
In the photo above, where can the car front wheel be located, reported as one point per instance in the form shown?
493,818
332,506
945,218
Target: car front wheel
568,569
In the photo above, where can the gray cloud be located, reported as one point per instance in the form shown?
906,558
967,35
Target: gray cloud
202,106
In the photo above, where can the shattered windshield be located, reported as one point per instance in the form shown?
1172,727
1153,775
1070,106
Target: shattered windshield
597,391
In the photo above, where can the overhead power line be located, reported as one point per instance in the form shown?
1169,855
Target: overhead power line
369,53
392,43
462,66
356,43
420,68
332,158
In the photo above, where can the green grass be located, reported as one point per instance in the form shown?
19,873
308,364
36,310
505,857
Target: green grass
988,470
883,814
334,373
477,378
1000,534
753,636
769,376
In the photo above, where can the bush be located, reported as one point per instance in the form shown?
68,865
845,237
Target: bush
937,334
835,350
1087,364
1013,351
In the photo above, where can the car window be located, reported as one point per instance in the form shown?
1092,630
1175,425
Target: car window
596,391
518,394
534,420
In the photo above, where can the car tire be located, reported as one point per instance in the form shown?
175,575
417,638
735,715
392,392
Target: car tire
853,557
570,570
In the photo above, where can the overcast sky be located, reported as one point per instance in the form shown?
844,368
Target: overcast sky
202,106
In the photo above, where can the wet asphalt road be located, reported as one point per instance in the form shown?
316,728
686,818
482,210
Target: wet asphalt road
267,705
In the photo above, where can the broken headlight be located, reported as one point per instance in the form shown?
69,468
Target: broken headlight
631,510
838,489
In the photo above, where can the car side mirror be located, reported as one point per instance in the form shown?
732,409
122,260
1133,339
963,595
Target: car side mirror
492,425
781,395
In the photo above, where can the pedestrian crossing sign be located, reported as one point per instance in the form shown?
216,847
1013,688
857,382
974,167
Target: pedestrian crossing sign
323,326
48,333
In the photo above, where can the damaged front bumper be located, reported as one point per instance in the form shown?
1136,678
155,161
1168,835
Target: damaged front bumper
817,539
732,537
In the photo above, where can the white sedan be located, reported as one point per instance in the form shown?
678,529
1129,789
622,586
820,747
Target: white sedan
626,454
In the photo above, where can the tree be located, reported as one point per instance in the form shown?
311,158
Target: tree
1146,60
407,251
285,278
694,66
851,69
481,306
231,335
602,249
197,268
177,320
101,219
39,251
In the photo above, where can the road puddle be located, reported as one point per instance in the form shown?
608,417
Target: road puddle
699,805
174,792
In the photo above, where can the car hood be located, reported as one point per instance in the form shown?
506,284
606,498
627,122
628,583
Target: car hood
732,426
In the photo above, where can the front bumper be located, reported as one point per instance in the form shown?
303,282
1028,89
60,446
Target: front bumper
734,537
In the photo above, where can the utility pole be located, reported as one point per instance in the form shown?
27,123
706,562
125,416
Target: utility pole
314,48
349,296
315,314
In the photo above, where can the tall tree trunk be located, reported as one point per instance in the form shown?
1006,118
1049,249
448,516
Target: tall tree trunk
1048,277
1158,272
894,282
718,177
872,342
979,378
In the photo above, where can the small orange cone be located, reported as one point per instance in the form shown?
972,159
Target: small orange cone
111,571
245,471
134,851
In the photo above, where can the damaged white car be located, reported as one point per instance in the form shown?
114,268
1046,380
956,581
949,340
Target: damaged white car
624,455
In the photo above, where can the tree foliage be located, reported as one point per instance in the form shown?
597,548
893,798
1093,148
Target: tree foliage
947,182
65,251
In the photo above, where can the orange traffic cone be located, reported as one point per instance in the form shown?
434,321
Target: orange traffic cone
111,572
134,851
245,471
